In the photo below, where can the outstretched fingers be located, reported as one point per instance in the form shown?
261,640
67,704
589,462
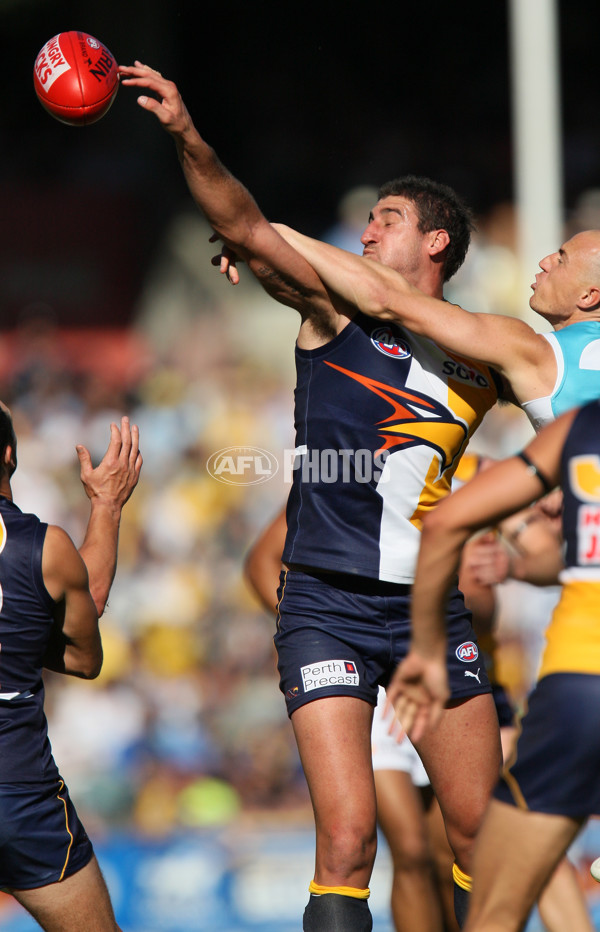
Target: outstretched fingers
166,105
117,475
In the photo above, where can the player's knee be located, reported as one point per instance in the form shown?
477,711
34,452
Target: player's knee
411,853
347,850
462,834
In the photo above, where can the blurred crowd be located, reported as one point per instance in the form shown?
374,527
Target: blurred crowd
185,727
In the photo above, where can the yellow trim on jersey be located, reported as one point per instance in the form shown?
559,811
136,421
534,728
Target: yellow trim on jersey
318,890
462,880
468,466
64,802
468,406
573,635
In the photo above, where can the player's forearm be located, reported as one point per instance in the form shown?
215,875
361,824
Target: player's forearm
74,660
227,205
437,568
99,550
360,282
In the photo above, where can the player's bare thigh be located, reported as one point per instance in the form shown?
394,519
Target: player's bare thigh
516,852
80,902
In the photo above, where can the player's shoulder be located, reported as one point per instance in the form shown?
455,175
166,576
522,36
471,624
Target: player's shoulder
59,553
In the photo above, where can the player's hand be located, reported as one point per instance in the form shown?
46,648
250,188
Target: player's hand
551,506
167,105
116,476
487,560
418,692
227,260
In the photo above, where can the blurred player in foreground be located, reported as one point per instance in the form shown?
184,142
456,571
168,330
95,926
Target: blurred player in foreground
407,812
51,598
551,787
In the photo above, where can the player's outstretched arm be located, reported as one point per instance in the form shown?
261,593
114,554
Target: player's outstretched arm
419,688
227,205
108,487
79,581
508,344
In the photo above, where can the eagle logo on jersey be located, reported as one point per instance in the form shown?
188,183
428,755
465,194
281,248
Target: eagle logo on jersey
584,477
415,419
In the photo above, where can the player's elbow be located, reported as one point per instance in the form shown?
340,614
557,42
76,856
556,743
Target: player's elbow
442,525
434,523
90,666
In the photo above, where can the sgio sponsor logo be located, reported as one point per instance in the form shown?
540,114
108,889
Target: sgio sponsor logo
242,465
458,370
329,673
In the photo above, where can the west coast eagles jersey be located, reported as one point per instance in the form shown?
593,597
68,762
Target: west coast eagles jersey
25,625
573,636
382,417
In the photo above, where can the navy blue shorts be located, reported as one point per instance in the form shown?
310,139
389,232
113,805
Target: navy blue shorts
42,840
341,635
557,765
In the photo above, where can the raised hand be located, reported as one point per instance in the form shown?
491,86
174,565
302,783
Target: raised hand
167,106
117,475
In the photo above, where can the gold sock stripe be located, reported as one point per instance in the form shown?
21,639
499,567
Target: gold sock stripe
355,892
461,879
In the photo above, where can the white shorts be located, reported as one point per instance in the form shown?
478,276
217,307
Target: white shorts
388,754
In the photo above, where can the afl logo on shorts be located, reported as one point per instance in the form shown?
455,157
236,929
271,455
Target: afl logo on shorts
467,651
387,342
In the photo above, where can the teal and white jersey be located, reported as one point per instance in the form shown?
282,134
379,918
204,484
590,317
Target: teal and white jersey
577,352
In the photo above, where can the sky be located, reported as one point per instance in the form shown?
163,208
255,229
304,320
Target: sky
301,102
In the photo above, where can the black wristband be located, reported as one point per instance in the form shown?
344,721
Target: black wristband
533,469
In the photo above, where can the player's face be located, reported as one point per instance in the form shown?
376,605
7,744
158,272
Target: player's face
565,275
393,238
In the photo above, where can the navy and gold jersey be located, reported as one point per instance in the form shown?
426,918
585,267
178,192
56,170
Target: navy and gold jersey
25,625
573,636
382,417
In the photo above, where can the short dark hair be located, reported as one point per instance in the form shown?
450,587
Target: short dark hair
7,431
439,207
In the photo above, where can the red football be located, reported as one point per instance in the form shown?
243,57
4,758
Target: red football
75,78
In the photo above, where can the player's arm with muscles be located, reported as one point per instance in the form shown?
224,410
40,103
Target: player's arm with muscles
79,581
232,211
419,689
506,343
